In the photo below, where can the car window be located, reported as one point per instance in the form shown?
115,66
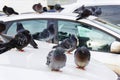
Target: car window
65,28
32,25
89,36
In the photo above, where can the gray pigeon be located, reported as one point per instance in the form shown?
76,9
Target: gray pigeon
98,11
56,59
82,57
69,44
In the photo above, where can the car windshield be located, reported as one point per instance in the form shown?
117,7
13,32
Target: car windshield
108,25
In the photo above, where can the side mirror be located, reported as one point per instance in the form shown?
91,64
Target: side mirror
115,47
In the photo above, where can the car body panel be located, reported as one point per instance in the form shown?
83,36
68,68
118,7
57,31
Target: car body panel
31,65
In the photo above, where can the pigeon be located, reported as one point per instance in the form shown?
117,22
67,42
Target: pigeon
84,14
58,7
56,59
21,40
46,35
69,44
98,12
21,28
9,11
45,9
38,8
82,57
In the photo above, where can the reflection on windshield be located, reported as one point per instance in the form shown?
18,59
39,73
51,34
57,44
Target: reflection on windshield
108,25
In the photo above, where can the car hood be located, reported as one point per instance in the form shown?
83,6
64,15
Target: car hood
31,65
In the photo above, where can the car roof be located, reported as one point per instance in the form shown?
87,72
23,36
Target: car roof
33,15
71,16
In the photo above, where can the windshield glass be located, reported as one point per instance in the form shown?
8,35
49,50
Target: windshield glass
108,25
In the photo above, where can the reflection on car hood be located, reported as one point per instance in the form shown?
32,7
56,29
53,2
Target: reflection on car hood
30,65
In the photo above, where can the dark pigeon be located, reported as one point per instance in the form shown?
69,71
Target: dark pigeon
82,57
21,28
56,59
84,14
69,44
21,40
9,11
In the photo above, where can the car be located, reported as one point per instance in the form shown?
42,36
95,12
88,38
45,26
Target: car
100,37
110,10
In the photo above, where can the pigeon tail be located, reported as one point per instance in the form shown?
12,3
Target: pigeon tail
16,13
79,18
5,47
33,43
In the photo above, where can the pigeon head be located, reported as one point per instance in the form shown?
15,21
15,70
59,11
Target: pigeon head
19,27
82,7
59,50
5,6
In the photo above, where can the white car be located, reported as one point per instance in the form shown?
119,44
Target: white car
100,37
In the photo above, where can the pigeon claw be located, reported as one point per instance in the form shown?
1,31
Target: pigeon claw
21,50
80,67
56,70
